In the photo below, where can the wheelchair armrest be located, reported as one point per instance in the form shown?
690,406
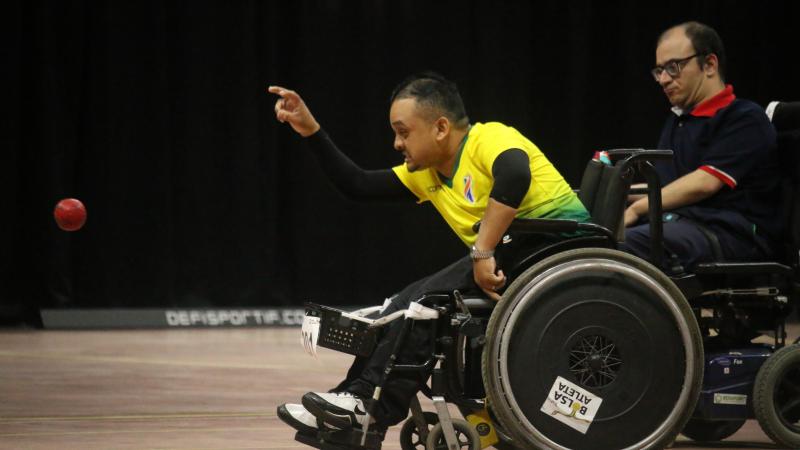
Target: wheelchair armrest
638,191
525,226
543,226
537,226
479,304
750,268
631,155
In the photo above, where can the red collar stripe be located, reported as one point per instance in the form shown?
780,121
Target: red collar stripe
710,107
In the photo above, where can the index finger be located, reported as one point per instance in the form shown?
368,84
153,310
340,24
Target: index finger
492,295
283,92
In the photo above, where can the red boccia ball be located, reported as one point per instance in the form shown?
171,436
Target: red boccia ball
70,214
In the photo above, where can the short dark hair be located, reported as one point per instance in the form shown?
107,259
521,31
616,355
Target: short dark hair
705,41
435,93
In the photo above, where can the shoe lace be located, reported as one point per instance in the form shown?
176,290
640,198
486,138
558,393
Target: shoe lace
345,394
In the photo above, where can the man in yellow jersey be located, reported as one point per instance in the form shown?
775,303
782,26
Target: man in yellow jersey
485,171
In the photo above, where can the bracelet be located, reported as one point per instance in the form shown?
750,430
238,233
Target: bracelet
476,254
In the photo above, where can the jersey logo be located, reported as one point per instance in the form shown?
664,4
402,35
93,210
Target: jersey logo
468,189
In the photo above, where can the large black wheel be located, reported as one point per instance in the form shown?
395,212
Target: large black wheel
468,438
776,397
704,430
593,349
411,437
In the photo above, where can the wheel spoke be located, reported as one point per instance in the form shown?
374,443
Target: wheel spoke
580,361
790,406
608,349
609,375
594,344
594,361
790,385
578,366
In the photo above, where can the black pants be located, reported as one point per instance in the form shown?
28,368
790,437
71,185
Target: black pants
686,245
400,388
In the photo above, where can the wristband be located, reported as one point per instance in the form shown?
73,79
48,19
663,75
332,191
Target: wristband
476,254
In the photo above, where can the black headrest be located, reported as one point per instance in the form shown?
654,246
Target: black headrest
609,203
785,116
589,182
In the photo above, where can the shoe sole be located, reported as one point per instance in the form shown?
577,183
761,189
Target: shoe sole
288,419
317,406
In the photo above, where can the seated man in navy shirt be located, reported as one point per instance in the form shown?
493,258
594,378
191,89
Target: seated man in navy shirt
721,190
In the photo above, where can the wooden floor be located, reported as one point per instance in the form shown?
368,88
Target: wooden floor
170,389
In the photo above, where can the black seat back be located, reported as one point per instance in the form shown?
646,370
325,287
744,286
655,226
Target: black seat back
589,182
785,117
603,191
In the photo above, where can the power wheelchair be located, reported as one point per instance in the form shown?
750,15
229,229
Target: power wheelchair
593,348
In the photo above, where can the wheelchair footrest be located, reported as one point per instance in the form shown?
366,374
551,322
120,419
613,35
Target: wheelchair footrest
341,440
343,332
308,439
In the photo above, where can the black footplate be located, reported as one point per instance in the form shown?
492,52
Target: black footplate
341,440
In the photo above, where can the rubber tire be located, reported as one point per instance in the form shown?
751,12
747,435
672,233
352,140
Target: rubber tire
703,430
492,376
462,428
768,380
409,434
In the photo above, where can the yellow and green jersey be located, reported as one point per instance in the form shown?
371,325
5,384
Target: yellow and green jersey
462,199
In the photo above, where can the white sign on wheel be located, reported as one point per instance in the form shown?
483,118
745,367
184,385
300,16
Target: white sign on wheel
571,404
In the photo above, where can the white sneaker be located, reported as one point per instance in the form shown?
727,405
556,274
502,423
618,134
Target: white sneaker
297,417
340,409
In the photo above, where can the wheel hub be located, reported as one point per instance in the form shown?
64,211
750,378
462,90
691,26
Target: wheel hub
595,361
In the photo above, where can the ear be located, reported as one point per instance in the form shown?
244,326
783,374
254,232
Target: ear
711,65
442,126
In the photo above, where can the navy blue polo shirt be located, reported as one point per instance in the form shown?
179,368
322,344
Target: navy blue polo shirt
733,140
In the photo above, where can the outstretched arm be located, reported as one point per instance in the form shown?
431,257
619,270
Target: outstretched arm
350,179
353,181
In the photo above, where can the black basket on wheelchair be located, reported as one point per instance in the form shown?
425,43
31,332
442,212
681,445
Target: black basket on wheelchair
338,331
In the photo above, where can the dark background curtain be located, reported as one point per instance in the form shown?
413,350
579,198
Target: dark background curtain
155,115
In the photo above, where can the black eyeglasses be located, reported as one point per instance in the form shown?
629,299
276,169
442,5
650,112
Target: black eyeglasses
673,68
